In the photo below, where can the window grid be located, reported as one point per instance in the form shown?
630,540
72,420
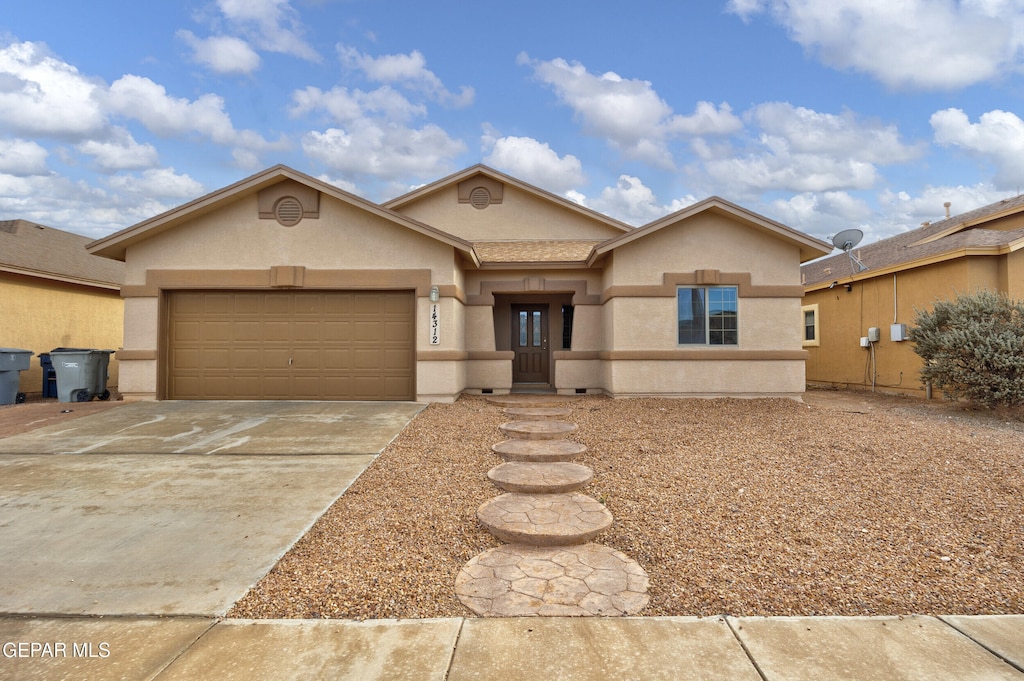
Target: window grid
708,316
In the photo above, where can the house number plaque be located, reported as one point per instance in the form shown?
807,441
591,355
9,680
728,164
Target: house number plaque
435,331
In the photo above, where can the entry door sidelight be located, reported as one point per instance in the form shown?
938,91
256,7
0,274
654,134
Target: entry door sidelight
530,344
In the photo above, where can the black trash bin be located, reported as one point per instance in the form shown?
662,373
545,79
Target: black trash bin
12,362
49,375
81,373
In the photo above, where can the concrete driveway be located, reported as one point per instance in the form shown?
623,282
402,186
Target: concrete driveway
160,508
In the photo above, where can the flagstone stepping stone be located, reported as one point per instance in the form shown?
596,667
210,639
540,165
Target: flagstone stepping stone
538,413
537,430
538,450
544,519
588,580
531,400
559,477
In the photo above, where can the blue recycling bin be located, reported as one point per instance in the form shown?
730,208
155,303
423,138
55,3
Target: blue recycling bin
12,362
81,373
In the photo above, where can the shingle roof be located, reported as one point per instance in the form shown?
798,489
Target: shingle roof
534,251
34,250
950,235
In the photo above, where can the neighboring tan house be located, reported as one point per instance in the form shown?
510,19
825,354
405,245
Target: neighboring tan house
285,287
856,321
53,293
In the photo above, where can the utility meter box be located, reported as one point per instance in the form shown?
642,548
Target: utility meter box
874,335
898,332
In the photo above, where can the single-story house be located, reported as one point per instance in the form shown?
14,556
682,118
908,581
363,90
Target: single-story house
858,310
282,286
53,293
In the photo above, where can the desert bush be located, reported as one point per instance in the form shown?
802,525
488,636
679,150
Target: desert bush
973,348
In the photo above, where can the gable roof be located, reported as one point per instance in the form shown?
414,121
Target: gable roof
115,245
952,237
46,253
398,202
809,246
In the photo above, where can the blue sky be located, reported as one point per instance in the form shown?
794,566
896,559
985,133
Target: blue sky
821,114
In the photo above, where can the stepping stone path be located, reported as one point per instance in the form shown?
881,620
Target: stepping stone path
549,567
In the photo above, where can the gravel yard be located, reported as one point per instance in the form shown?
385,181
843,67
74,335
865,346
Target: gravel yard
747,507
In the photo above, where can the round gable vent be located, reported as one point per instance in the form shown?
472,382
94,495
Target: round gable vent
480,198
288,211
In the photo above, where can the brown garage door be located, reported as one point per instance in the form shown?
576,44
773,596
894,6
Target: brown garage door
290,345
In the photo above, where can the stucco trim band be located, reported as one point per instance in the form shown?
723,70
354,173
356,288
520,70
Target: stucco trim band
158,280
703,355
672,280
578,288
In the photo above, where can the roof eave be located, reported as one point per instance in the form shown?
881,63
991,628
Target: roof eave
115,245
66,279
963,252
810,247
480,169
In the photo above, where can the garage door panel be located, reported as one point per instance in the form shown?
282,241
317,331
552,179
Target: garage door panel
187,359
306,331
397,360
341,345
187,330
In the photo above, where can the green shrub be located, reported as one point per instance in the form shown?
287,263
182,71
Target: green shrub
973,348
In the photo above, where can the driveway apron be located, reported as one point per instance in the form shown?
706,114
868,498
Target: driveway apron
173,508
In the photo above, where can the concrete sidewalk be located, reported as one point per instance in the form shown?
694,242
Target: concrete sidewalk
677,648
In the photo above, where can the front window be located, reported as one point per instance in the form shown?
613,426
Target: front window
708,316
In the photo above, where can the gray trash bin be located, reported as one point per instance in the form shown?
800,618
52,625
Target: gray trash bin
12,362
81,373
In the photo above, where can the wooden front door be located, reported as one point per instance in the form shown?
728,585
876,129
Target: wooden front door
530,344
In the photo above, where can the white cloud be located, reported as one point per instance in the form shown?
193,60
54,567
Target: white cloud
997,138
632,202
344,105
121,152
801,150
148,102
376,149
918,44
707,119
42,95
843,135
223,54
22,158
823,214
409,70
163,183
271,25
628,113
533,161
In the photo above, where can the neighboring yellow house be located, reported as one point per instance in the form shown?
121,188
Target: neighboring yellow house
282,286
856,320
53,293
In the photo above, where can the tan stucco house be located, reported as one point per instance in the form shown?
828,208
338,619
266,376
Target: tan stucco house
53,293
858,312
282,286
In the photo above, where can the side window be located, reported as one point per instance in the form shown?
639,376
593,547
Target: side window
811,337
708,316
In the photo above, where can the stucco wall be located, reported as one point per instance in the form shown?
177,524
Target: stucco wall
640,312
844,317
520,215
705,241
41,315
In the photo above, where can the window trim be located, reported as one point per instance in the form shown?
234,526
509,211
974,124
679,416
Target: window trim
707,317
817,326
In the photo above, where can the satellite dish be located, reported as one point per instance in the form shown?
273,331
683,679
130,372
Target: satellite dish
845,241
